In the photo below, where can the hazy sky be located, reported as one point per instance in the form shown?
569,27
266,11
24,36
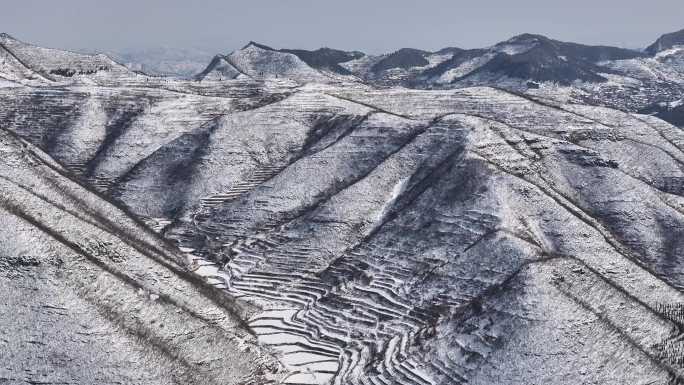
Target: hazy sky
370,25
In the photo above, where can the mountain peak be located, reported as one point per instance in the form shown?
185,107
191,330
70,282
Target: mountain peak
447,50
404,58
218,69
529,40
258,45
666,41
527,37
523,43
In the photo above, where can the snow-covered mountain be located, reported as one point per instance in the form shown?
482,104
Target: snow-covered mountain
258,61
297,217
629,80
666,42
528,57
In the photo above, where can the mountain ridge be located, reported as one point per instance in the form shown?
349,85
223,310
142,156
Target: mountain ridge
405,59
666,41
50,63
528,63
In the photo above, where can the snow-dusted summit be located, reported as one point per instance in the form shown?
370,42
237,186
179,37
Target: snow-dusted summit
257,61
51,64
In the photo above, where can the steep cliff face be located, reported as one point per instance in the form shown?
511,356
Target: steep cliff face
359,235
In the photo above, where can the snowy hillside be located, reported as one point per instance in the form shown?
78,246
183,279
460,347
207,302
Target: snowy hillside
304,217
261,62
52,63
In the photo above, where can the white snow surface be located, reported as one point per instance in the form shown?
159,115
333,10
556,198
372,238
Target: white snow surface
261,63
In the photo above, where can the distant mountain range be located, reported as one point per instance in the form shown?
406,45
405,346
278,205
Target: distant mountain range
649,80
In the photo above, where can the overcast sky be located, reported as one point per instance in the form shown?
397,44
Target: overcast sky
373,26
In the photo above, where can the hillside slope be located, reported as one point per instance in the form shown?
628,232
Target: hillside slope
90,295
394,234
54,64
624,79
